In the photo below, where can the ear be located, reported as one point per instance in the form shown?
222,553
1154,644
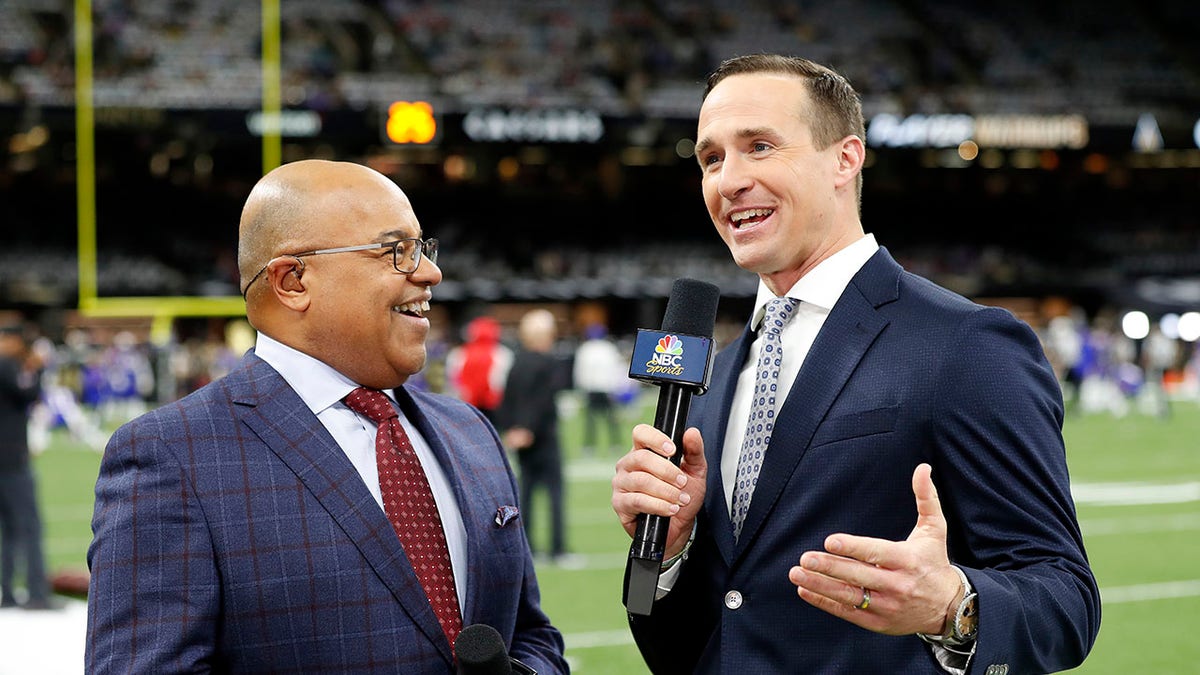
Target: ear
852,153
285,275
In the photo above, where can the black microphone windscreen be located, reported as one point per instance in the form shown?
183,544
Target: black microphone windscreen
480,651
692,308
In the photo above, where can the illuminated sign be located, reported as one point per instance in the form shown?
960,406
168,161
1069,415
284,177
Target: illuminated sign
988,131
411,123
549,126
287,123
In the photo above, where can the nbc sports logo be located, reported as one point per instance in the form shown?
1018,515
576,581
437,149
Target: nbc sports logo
667,357
669,345
659,356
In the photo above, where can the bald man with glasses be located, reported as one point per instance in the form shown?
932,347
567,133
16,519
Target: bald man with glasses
308,512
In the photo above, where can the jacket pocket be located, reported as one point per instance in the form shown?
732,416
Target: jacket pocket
855,425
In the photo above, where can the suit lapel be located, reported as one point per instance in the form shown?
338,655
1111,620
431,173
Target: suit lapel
277,415
437,437
849,331
716,403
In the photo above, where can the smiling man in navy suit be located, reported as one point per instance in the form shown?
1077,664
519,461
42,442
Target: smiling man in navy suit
902,504
243,528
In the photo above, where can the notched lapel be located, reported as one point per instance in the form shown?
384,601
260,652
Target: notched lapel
851,328
712,427
278,416
475,508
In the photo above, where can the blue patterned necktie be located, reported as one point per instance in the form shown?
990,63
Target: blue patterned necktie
762,408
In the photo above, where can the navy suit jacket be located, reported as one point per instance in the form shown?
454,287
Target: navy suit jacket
232,534
902,372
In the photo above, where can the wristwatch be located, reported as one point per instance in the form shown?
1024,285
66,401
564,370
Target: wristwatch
964,625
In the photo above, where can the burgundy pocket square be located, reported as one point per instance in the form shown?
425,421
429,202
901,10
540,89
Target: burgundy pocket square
505,515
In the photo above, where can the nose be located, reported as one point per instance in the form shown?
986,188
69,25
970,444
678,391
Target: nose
427,273
735,177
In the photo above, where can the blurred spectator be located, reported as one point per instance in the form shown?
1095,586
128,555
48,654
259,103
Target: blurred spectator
479,367
20,522
1064,342
598,372
528,418
59,406
130,379
1158,356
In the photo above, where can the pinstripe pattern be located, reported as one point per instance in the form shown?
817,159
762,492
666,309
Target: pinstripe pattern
233,534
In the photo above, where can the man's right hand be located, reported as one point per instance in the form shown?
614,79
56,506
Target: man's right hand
647,482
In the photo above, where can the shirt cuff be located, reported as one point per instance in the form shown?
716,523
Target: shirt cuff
953,660
669,572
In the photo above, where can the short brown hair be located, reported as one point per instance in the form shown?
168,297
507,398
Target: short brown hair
837,109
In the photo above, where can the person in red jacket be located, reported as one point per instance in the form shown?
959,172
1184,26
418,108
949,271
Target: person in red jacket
479,368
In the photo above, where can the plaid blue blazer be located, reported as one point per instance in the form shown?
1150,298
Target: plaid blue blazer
232,534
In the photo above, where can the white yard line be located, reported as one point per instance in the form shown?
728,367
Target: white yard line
1167,590
598,638
1130,494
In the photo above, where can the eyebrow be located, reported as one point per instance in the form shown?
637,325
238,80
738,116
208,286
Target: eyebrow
393,235
742,134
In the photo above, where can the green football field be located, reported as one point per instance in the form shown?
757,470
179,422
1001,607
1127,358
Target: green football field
1136,482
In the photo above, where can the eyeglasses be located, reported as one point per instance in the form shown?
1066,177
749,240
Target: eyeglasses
406,255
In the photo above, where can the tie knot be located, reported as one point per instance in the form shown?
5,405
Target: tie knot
779,312
372,403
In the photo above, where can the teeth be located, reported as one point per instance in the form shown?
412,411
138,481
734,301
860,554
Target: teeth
749,213
418,308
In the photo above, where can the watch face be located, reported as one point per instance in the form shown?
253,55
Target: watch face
966,621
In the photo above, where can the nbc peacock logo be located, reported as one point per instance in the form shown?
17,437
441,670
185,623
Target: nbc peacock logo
667,358
669,345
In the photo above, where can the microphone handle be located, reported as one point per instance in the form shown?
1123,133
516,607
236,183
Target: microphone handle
674,400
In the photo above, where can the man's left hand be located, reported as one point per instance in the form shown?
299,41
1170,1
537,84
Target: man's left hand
911,584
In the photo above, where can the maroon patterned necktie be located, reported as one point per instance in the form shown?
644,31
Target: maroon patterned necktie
409,505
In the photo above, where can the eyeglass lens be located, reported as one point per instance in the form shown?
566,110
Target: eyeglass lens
408,252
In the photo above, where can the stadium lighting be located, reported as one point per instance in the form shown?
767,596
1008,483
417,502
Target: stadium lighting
1169,325
1189,327
411,122
1135,325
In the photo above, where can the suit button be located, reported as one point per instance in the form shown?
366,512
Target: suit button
733,599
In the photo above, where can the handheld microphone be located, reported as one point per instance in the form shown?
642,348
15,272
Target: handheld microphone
678,359
480,650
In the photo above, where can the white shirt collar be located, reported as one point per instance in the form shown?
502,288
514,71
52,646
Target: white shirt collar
318,384
823,284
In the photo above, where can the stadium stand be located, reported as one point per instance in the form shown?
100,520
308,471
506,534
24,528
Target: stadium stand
174,82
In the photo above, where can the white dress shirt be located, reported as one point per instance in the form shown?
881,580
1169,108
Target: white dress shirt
818,291
322,389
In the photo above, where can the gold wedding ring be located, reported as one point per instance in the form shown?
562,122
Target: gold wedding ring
866,601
